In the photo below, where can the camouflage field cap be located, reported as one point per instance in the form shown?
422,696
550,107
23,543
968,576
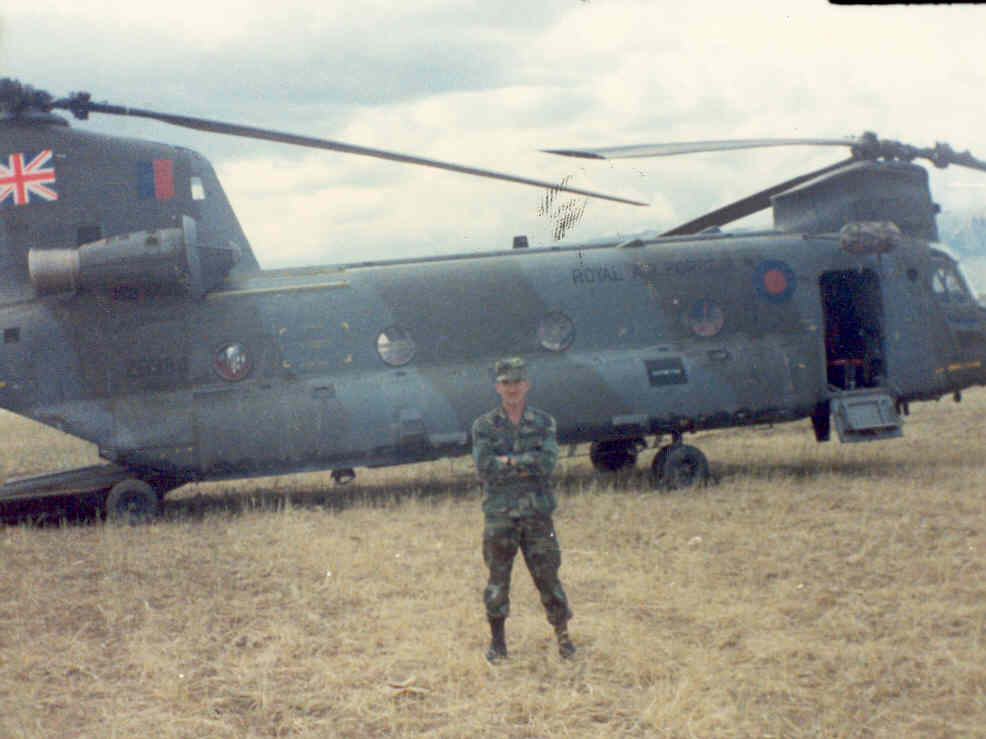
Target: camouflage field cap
510,369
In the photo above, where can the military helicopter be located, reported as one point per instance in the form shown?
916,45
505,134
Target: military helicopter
135,316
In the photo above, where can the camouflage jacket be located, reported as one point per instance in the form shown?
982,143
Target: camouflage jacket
522,485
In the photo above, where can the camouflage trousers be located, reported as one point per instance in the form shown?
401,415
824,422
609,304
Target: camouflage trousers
534,535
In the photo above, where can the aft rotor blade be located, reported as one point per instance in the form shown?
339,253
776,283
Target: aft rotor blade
232,129
748,205
692,147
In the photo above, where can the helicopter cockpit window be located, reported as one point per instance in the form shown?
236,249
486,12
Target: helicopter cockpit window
556,332
948,285
395,346
198,189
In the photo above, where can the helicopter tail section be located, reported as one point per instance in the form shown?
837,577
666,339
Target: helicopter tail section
218,225
64,191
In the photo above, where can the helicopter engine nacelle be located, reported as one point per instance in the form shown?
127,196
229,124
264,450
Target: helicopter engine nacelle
869,237
166,258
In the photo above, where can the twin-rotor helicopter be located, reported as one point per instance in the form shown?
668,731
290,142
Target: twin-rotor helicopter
135,316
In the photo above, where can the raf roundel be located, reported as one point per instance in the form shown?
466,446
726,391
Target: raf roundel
775,281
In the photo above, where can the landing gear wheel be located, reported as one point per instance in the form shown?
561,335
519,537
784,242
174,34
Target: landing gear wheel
680,466
132,501
343,477
611,456
657,464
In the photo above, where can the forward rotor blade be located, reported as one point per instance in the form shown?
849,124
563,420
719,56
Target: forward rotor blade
691,147
942,155
867,146
83,106
748,205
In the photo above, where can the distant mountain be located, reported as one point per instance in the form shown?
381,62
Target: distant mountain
964,233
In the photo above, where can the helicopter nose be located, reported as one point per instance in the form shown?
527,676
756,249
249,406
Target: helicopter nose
981,345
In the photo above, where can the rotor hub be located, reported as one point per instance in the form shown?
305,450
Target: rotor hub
17,99
24,103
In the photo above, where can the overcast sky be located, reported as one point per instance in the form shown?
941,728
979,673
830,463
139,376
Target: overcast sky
489,84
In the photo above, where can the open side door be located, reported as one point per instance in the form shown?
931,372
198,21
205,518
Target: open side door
862,407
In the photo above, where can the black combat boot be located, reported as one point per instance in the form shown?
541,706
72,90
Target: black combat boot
498,644
565,647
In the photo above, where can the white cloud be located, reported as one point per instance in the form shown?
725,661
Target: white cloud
488,84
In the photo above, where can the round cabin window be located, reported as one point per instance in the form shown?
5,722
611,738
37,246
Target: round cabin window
556,332
395,346
232,362
705,318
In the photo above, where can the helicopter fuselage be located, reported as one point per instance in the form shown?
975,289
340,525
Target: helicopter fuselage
225,371
389,363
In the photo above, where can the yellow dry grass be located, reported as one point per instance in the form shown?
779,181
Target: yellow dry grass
816,590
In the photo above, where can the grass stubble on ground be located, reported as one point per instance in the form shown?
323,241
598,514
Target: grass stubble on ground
815,590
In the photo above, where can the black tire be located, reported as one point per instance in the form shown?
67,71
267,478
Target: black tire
612,456
683,467
132,501
657,464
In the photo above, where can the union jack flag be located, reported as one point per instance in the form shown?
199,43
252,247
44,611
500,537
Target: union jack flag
20,181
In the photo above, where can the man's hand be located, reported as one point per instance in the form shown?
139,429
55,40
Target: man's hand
508,461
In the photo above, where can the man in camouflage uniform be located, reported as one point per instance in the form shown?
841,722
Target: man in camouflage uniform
515,450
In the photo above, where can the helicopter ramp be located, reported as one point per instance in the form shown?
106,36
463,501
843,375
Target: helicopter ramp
68,482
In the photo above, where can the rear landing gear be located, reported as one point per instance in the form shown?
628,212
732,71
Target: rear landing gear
618,454
676,466
132,501
679,466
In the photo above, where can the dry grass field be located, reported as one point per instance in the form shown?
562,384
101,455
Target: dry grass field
816,590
